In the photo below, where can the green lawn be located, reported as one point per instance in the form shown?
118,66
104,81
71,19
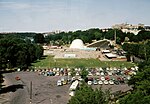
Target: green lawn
49,61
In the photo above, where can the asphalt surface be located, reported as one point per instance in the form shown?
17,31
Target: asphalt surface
44,89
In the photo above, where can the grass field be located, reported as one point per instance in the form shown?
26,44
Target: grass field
49,61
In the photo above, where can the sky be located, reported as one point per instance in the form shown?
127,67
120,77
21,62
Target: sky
70,15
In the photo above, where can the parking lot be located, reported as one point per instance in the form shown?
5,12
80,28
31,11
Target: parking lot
106,76
45,89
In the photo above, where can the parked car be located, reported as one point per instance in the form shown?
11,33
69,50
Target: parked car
107,78
111,82
77,74
95,82
102,73
69,73
97,73
106,82
102,78
90,74
116,82
100,82
109,73
80,79
17,78
72,93
57,74
64,82
59,83
89,82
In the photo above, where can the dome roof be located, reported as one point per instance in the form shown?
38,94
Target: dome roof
77,43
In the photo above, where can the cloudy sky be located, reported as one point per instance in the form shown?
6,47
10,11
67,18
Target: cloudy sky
70,15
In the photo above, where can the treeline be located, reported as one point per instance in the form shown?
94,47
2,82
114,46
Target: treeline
87,36
66,38
16,52
141,49
18,35
96,34
27,36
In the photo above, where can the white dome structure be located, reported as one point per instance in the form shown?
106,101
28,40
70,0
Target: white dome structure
77,44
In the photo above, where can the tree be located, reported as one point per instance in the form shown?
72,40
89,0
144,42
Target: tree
73,72
98,35
130,36
110,34
86,95
137,97
39,38
118,40
84,73
142,80
15,48
141,86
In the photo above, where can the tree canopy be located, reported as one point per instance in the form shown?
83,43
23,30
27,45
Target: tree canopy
86,95
141,88
16,52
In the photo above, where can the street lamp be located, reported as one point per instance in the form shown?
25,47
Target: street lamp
8,63
29,89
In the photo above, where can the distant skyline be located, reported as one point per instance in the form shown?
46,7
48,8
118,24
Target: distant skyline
70,15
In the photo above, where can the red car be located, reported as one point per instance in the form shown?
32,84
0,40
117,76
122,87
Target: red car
17,78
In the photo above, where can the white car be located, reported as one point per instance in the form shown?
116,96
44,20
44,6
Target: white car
134,73
100,69
102,73
56,69
107,68
73,78
100,82
57,74
128,77
59,83
68,69
76,69
79,69
136,68
61,69
111,82
106,82
89,82
69,73
90,74
80,79
115,68
77,74
111,68
97,73
72,93
102,78
109,73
